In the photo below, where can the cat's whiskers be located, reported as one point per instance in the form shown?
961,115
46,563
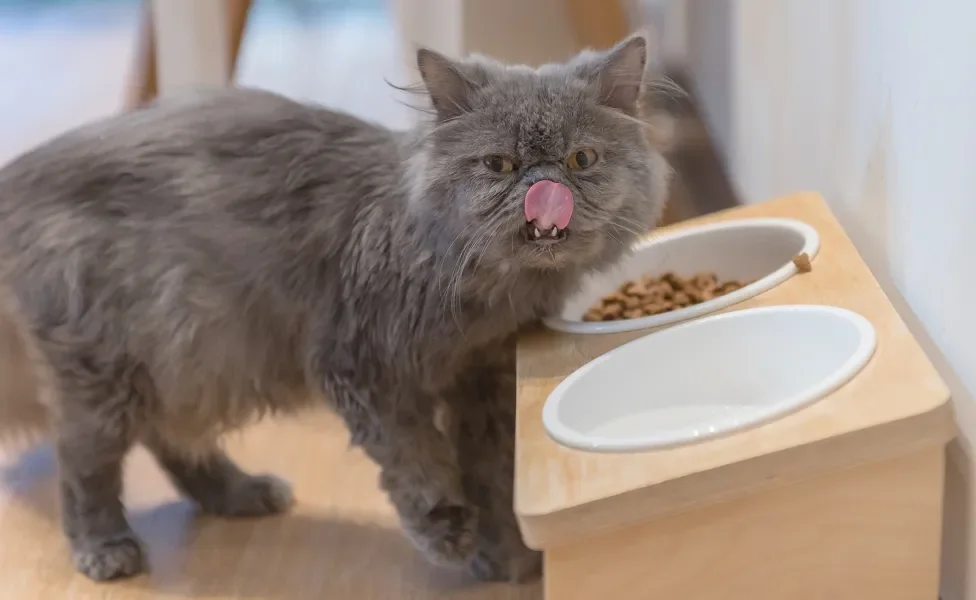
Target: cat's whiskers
447,253
448,300
666,86
486,234
488,240
643,226
435,129
454,290
552,256
619,241
454,284
623,227
624,223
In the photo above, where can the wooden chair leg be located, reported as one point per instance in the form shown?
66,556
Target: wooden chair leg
237,12
144,86
597,23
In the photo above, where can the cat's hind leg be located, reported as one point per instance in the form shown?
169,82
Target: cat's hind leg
219,487
95,421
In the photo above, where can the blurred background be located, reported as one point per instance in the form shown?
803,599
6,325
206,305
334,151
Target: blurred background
64,62
868,102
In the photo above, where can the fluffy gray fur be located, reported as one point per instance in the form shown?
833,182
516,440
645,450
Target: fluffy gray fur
179,271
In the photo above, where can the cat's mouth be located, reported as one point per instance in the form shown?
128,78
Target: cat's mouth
537,235
548,210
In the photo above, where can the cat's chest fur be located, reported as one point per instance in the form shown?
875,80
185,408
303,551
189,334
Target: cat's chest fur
413,327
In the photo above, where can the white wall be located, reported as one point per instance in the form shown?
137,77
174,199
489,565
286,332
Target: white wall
873,104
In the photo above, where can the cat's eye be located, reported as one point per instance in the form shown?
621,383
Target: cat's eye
582,159
499,163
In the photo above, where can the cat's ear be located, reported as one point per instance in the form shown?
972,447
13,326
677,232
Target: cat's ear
619,73
449,84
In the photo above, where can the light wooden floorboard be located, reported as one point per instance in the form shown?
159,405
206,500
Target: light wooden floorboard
340,542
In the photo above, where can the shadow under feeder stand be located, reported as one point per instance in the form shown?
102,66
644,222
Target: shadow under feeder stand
842,499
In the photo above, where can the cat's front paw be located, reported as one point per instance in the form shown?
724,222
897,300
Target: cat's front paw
109,558
445,535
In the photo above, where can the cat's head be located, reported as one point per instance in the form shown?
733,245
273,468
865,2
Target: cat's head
540,169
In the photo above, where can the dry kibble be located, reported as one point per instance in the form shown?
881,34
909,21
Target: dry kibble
632,302
594,314
673,280
704,281
650,295
636,288
802,262
613,310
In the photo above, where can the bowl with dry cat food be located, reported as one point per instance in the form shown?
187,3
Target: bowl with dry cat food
689,273
709,377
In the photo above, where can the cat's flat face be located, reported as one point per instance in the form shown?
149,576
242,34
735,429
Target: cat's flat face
548,168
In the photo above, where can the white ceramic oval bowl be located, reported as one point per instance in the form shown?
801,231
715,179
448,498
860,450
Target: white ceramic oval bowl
758,250
708,377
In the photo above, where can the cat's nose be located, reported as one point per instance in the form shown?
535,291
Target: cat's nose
548,204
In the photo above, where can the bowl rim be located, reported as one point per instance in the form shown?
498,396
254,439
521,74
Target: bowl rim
854,364
811,246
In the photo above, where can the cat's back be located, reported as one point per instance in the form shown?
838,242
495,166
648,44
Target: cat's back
205,204
226,144
223,171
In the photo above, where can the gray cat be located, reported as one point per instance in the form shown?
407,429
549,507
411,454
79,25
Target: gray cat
176,272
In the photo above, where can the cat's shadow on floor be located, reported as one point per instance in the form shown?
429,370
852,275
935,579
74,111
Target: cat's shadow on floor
293,556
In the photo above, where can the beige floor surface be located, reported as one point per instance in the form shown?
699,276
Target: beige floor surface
339,542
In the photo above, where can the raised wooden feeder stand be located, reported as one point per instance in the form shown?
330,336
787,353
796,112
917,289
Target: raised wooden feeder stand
840,500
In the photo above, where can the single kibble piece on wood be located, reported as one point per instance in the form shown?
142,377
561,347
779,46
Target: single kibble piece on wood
655,295
802,262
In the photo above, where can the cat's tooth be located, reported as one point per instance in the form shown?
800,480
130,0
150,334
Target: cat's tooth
554,231
537,233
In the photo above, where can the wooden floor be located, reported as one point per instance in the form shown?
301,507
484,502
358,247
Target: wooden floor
340,542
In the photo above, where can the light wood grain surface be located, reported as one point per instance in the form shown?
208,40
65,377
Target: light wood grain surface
341,541
895,405
871,532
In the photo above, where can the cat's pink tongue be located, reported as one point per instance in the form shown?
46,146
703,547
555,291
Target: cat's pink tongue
548,203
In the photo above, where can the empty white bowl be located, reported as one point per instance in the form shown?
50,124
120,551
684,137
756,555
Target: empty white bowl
758,250
709,377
